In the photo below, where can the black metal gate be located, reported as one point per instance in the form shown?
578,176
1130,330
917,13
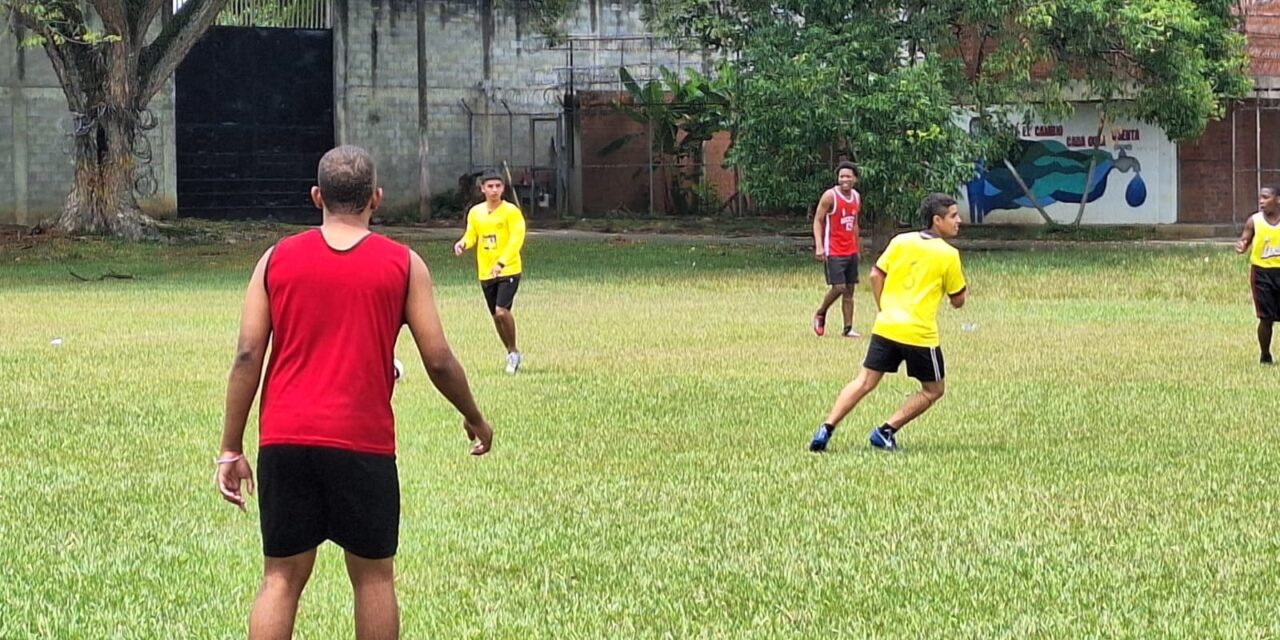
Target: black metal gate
254,114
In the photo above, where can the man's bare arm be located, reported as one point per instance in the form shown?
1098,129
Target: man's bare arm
825,204
1246,237
442,367
251,351
877,284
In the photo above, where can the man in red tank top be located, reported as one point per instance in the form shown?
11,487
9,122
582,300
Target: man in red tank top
835,242
330,302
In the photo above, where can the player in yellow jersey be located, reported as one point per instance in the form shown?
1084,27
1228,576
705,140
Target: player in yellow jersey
496,228
915,272
1261,238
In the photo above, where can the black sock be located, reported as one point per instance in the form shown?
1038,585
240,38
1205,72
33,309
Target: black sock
847,329
888,427
830,427
1266,358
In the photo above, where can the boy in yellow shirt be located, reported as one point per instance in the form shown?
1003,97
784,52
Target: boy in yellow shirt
909,280
496,228
1261,238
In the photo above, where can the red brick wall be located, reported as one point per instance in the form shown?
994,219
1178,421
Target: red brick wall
1205,167
620,180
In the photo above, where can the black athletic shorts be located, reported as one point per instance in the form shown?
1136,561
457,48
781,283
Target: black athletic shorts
842,270
1265,284
923,363
500,292
307,495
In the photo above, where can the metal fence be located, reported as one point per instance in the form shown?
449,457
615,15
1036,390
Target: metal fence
292,14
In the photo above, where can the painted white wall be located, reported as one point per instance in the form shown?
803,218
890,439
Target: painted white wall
1148,145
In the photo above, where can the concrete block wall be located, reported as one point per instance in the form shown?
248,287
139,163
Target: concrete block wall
36,167
482,52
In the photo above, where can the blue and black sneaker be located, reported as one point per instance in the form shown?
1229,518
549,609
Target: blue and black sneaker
821,438
883,438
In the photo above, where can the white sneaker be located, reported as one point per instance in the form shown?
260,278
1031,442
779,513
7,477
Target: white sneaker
513,361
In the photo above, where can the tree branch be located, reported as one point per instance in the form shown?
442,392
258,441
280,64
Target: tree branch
161,57
150,9
64,65
114,17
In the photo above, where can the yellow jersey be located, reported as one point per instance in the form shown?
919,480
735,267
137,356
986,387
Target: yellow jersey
919,268
498,236
1265,251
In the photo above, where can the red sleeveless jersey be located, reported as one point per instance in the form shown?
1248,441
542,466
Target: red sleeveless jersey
335,317
841,240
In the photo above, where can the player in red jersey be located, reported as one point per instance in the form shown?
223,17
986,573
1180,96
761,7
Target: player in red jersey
330,302
835,243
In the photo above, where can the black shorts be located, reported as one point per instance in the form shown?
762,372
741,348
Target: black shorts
500,292
843,270
1265,284
923,363
307,495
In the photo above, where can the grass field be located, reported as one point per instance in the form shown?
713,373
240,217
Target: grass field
1104,464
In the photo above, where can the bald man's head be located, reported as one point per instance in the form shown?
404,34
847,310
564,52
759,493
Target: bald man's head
347,179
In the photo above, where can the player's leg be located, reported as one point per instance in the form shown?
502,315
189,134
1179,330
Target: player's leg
881,358
1264,339
917,403
846,306
833,270
290,506
852,394
925,364
376,610
505,321
362,492
820,316
276,607
1266,304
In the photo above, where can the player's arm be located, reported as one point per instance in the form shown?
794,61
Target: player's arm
242,385
825,203
468,239
877,284
887,262
1246,237
954,284
443,368
515,238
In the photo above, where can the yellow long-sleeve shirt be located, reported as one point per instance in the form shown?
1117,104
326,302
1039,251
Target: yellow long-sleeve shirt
498,236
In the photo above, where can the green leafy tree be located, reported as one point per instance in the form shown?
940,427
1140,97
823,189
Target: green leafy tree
884,82
1168,63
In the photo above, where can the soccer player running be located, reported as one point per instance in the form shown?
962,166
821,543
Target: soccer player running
496,228
835,243
330,302
908,281
1261,238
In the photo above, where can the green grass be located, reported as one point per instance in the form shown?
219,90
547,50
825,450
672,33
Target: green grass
1102,466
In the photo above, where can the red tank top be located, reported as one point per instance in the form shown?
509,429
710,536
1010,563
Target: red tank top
335,317
842,224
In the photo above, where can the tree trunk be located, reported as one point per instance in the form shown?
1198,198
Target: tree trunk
102,198
1027,191
1093,164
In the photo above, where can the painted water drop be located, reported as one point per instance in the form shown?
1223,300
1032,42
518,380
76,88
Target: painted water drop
1136,193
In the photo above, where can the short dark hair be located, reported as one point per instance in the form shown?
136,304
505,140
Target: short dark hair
492,175
848,165
347,179
1272,188
934,204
